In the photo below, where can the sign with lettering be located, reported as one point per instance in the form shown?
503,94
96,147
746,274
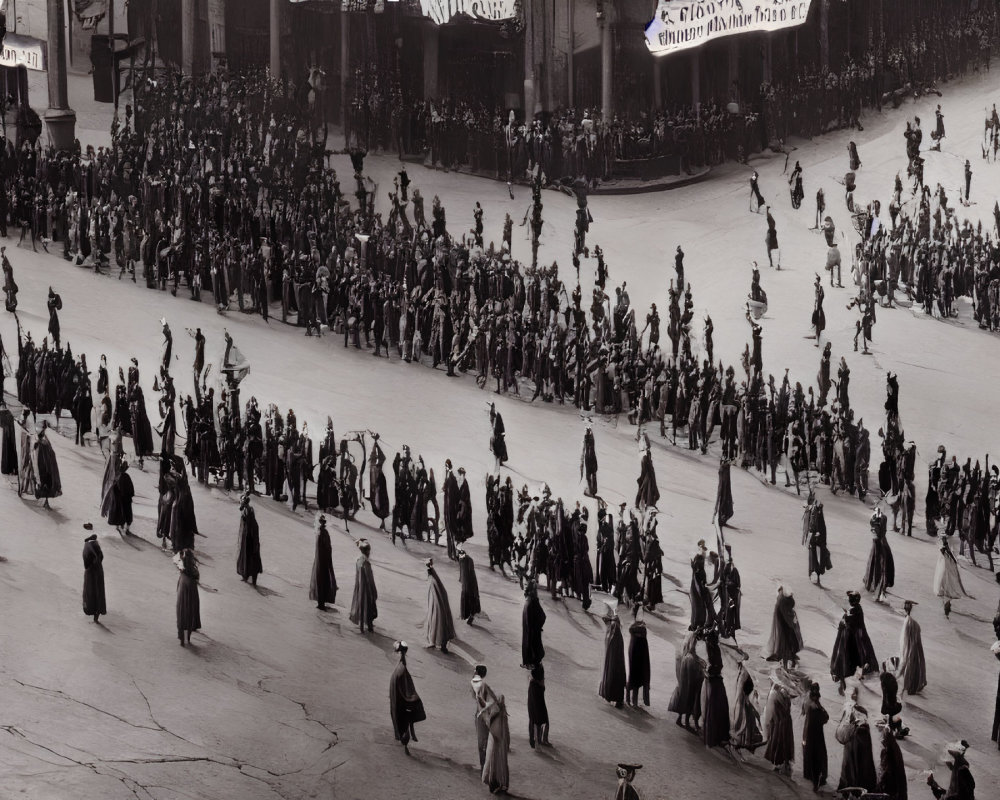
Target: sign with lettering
680,24
441,11
22,51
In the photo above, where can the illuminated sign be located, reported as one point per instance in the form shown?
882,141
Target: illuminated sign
680,24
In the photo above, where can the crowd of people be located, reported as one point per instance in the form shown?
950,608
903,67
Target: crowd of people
220,182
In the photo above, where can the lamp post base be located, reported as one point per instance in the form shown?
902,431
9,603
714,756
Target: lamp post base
61,125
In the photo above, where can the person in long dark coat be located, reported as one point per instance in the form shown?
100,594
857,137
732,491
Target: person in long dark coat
814,759
8,445
49,483
364,605
785,640
852,648
685,701
462,509
449,509
405,705
780,749
142,431
702,605
498,441
532,621
120,507
638,664
746,731
912,666
648,493
892,771
607,570
469,602
378,491
188,602
588,462
538,712
183,525
248,562
995,735
323,582
819,554
723,495
612,686
880,573
112,468
730,597
961,786
714,700
858,764
94,603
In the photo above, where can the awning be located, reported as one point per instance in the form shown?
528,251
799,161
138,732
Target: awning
439,11
23,51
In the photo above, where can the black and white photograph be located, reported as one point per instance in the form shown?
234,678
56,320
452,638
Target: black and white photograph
447,399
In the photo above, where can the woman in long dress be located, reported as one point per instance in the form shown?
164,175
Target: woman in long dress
49,483
723,495
778,723
248,561
532,622
122,492
714,701
638,664
94,603
912,667
323,582
947,580
496,773
685,701
405,705
858,765
111,470
538,711
880,574
439,623
26,480
188,603
469,604
814,756
364,607
746,731
612,686
8,447
785,640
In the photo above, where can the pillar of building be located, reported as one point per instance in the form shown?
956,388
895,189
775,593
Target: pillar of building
571,37
529,62
345,65
274,30
60,119
188,34
657,83
696,79
824,34
607,68
432,46
768,58
733,71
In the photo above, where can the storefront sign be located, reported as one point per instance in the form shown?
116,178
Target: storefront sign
22,51
680,24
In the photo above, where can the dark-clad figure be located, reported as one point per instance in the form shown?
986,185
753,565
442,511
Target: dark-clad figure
49,483
588,462
484,698
626,774
248,563
8,446
702,605
188,603
639,669
853,731
723,495
714,700
323,582
469,601
814,760
498,441
439,623
852,648
746,731
111,469
891,770
538,712
778,723
532,622
120,506
685,701
648,493
94,603
962,785
364,607
612,686
405,705
785,640
730,597
912,666
880,574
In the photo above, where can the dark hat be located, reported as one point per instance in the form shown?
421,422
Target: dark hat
481,670
88,526
91,538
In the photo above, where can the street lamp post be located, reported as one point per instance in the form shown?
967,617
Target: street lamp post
59,118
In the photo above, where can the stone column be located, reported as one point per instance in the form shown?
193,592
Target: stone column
696,79
432,46
274,29
607,68
824,34
657,83
571,36
60,119
188,35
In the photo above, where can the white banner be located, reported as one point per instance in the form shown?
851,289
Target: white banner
441,11
680,24
22,51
